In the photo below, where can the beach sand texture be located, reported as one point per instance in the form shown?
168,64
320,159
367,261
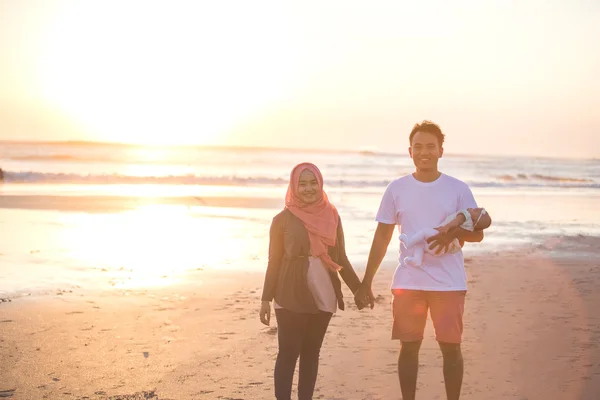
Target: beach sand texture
532,331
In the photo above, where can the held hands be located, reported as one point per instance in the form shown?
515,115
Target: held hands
364,297
265,312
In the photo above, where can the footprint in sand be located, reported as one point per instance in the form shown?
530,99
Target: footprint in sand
151,395
271,331
380,299
7,393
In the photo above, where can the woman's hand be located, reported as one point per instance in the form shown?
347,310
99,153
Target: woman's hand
265,312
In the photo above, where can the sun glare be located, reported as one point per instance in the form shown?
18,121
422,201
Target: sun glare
156,245
159,74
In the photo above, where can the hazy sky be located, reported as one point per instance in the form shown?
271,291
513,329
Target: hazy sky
500,77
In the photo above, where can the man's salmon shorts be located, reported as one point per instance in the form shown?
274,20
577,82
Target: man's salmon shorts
410,307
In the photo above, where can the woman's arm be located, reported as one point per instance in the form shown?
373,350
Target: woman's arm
347,272
276,251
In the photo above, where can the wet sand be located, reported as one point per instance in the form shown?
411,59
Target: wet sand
108,203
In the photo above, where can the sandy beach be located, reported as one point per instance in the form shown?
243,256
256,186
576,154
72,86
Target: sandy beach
532,331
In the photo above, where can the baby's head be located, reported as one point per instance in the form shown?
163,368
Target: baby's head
476,215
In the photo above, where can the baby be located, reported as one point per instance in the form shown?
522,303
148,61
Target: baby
470,219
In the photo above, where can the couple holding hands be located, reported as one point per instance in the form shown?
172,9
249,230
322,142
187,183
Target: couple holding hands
436,214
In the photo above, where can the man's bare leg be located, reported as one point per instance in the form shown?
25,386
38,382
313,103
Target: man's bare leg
408,368
453,369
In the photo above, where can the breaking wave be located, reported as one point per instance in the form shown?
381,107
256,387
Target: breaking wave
504,181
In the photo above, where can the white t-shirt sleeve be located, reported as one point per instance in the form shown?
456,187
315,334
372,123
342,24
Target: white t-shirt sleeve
466,199
387,208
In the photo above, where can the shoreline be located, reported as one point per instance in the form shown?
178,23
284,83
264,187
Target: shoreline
118,203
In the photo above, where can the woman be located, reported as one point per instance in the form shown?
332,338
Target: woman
306,252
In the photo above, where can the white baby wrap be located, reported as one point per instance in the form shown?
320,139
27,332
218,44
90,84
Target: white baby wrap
419,241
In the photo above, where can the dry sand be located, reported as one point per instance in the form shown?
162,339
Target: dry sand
532,331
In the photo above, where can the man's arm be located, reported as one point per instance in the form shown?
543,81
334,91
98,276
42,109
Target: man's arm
381,241
464,235
442,240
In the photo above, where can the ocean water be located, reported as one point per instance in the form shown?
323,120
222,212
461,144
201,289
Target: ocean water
83,215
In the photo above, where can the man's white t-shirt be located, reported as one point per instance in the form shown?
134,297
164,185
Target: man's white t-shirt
415,205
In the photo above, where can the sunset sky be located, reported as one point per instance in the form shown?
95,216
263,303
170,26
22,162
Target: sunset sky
500,77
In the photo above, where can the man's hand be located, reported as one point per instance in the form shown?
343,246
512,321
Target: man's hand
442,240
364,296
443,229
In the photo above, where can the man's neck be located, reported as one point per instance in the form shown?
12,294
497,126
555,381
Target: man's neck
426,176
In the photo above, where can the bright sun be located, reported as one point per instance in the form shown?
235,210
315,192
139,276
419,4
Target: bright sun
161,73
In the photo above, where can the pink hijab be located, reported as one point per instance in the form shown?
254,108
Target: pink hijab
320,218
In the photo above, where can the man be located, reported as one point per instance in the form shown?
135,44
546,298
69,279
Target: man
421,200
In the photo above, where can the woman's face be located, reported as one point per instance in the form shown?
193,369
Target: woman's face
308,187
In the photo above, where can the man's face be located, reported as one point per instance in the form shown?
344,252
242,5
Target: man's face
425,151
308,187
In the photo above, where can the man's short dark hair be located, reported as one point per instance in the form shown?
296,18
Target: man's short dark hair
429,127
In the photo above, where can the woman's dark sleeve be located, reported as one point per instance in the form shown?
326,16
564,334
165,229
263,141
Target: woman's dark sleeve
347,272
276,252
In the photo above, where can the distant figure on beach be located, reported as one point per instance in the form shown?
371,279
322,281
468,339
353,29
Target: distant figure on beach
469,219
1,175
306,252
417,202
